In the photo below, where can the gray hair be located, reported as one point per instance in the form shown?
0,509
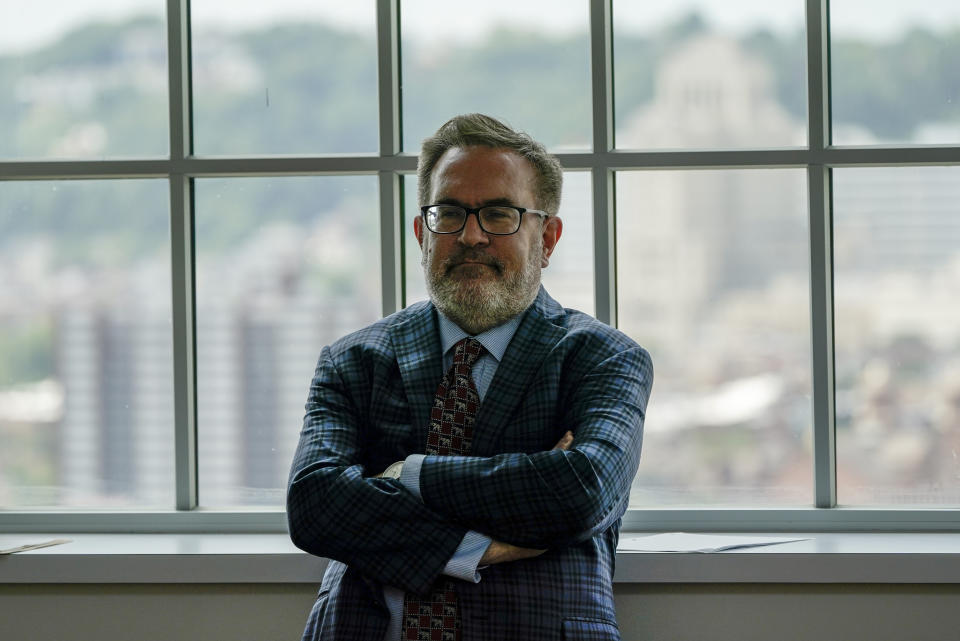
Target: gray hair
478,130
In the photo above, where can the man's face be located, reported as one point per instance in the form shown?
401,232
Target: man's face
476,279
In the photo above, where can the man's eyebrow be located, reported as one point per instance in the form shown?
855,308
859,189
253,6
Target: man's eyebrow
499,201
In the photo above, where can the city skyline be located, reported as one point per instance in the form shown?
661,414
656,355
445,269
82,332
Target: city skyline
724,312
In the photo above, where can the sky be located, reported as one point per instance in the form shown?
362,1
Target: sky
36,22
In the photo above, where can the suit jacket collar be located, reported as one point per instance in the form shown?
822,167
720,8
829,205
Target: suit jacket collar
416,344
532,342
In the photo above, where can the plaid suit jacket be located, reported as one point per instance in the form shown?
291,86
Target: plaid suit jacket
368,406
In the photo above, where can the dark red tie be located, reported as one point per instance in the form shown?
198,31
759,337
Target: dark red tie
435,616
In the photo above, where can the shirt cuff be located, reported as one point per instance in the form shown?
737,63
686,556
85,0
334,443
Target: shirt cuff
463,564
410,474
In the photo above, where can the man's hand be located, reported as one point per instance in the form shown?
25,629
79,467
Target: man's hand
500,552
565,441
392,472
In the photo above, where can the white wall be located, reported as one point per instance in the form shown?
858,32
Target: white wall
647,612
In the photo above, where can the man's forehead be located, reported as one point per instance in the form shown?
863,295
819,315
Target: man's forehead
482,168
455,155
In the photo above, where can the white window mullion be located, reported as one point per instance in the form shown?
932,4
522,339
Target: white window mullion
182,258
604,232
391,213
821,255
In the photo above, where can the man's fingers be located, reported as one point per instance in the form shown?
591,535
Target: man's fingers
565,441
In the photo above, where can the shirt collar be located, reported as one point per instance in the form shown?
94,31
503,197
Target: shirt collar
494,340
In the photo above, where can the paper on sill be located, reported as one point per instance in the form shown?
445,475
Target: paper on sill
684,542
6,541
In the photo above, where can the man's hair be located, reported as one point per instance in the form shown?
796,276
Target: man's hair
478,130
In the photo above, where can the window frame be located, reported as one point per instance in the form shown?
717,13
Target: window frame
390,164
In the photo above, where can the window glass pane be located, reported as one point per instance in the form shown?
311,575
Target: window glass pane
284,266
284,78
713,279
86,363
570,275
709,74
83,79
894,71
527,63
897,257
413,272
568,278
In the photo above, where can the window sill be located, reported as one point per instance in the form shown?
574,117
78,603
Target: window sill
272,558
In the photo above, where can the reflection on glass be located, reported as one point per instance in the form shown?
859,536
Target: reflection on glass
86,374
501,59
894,72
94,87
277,80
568,278
897,256
712,279
709,75
284,266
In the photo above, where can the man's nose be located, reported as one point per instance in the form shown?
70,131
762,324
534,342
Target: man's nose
472,235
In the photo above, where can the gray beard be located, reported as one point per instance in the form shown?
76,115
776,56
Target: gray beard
477,305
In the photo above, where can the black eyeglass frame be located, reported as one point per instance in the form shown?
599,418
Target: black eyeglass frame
476,212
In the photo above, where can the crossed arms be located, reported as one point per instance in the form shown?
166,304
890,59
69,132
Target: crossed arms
525,502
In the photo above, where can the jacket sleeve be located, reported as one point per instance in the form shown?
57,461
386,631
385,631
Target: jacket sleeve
555,498
335,510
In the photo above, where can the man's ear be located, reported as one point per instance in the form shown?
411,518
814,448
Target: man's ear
418,230
552,229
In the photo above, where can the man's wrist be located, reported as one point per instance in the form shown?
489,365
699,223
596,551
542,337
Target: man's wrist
410,475
465,561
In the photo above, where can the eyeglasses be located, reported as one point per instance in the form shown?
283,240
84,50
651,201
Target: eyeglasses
500,220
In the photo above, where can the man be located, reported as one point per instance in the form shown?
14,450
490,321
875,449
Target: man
473,484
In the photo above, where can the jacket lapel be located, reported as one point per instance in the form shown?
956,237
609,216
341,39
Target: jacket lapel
416,343
534,339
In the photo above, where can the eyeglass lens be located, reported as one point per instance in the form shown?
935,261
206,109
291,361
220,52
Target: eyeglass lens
494,220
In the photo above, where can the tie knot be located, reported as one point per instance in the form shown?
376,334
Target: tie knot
467,351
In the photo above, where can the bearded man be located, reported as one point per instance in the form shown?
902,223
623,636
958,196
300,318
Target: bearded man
465,462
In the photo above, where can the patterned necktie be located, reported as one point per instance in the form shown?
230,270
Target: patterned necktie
435,616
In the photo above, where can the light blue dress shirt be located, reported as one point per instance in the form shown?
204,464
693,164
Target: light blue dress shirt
463,564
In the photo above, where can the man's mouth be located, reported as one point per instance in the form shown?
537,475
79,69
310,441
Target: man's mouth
469,264
474,262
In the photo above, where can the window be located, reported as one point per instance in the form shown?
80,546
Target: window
193,202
